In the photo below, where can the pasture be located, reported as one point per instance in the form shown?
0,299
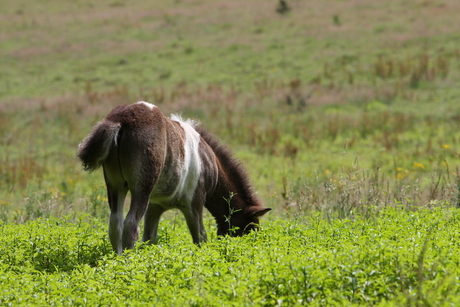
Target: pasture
346,115
395,258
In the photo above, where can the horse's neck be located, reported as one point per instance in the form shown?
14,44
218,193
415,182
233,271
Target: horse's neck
224,199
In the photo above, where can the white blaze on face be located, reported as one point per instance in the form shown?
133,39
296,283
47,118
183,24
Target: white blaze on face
149,105
191,169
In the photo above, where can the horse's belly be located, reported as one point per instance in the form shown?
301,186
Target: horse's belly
169,201
168,196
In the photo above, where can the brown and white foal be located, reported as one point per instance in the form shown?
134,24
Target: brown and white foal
167,163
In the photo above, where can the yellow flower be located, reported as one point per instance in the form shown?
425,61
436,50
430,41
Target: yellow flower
401,173
418,165
445,146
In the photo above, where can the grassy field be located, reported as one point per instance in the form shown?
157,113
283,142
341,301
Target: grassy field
345,113
396,258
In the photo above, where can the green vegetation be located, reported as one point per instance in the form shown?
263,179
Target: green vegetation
346,115
395,258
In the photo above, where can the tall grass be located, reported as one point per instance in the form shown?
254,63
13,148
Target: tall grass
328,111
340,159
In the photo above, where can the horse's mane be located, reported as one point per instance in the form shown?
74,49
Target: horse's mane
232,167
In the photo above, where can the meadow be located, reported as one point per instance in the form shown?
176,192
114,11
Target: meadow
395,258
346,115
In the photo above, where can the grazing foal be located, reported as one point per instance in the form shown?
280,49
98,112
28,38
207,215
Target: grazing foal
167,163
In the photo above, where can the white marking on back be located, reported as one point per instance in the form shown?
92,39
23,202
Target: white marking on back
149,105
191,169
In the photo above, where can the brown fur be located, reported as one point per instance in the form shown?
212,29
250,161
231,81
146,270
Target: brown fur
232,178
145,153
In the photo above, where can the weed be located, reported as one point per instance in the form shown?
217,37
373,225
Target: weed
336,20
231,211
96,203
283,7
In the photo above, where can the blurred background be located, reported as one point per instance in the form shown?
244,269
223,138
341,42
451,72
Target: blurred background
338,107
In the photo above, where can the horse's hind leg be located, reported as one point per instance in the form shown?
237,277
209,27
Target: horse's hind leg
152,219
116,202
116,191
140,186
139,202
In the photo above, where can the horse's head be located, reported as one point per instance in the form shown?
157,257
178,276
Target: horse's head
242,221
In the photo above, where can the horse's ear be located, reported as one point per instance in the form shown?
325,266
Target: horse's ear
259,211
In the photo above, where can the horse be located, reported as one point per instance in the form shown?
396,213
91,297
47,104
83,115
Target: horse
167,163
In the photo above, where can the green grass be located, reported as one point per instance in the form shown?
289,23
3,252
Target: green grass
394,258
340,111
146,45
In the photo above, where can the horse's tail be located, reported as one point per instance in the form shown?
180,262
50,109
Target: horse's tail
95,148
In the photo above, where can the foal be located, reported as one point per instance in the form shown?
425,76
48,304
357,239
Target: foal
167,163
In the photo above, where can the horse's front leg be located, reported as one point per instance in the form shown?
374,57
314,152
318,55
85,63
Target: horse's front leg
194,218
152,219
